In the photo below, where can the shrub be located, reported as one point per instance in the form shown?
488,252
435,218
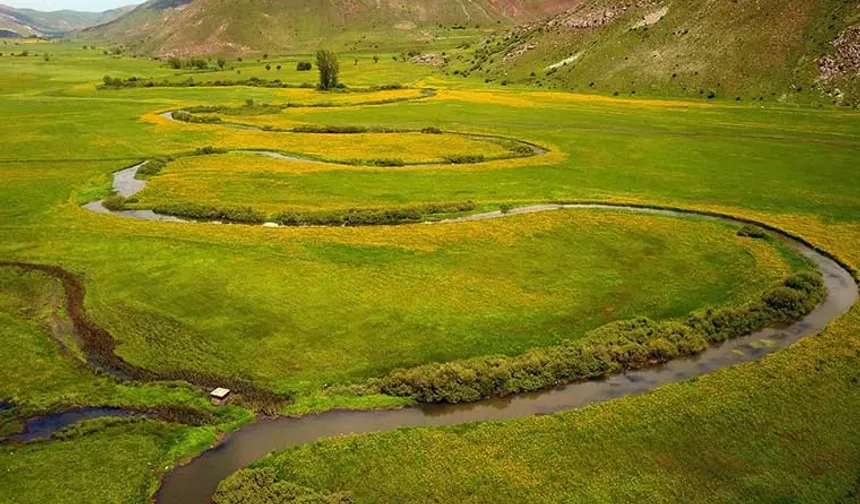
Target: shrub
751,231
522,149
627,344
185,116
371,216
311,128
114,203
786,301
464,158
382,162
304,66
151,167
205,109
207,150
198,63
506,207
432,130
196,211
262,486
109,81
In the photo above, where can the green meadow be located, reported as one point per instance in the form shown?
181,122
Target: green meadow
308,312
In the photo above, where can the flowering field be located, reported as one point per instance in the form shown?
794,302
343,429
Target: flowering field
303,310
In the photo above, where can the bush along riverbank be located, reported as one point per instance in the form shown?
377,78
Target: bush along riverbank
265,486
628,344
348,217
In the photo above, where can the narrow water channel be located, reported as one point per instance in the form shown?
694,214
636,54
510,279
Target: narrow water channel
43,426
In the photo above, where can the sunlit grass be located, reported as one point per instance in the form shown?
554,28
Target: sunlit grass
297,309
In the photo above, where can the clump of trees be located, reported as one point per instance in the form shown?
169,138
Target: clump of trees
328,68
136,82
193,63
304,66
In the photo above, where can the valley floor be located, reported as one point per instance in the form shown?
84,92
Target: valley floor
316,315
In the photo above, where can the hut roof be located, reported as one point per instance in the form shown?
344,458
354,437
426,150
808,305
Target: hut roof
219,393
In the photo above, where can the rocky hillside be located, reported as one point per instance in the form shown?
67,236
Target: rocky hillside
31,23
763,50
185,27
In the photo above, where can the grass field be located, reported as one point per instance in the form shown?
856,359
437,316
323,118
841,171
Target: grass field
110,463
301,309
779,431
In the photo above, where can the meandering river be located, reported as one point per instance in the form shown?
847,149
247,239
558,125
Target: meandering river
196,482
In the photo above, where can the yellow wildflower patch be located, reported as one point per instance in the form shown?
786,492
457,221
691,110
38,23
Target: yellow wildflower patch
550,99
303,96
408,147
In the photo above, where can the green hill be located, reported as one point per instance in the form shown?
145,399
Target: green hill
33,23
183,27
787,50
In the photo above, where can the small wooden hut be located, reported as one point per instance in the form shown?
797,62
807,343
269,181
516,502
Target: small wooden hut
219,396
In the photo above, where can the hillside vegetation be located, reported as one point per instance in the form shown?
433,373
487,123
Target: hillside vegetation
242,26
795,51
31,23
751,50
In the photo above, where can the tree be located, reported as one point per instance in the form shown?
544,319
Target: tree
303,66
221,63
329,69
375,58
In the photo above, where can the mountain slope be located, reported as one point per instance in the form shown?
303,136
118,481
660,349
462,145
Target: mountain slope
790,50
29,22
184,27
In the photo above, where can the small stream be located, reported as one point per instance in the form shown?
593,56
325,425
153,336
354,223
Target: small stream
125,184
43,426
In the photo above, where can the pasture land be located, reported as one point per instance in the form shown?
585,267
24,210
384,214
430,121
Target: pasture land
305,310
